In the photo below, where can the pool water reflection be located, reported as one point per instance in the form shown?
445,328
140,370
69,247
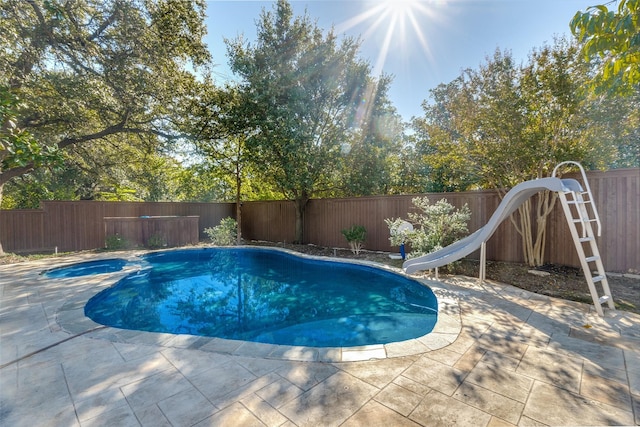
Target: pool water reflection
269,296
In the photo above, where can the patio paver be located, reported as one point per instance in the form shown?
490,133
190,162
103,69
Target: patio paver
501,356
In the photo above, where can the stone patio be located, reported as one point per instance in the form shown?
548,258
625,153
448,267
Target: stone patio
500,356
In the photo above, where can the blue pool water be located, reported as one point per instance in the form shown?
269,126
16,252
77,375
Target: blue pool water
87,268
268,296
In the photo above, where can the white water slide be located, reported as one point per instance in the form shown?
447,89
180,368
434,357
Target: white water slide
578,207
511,201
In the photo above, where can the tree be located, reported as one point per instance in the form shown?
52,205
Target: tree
200,182
17,146
302,91
368,161
557,128
90,70
613,40
407,170
126,166
439,138
620,119
503,124
219,128
87,71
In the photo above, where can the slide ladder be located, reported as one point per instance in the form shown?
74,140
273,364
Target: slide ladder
581,213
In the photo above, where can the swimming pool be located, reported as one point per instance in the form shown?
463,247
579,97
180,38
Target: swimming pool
87,268
267,296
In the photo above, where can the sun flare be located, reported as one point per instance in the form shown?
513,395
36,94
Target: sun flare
398,22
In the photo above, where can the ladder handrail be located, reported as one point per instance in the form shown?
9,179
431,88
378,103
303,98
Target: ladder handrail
586,187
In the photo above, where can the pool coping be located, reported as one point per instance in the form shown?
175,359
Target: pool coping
71,318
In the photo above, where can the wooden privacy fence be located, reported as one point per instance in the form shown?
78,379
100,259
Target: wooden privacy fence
71,226
79,225
325,218
154,231
23,230
616,194
617,198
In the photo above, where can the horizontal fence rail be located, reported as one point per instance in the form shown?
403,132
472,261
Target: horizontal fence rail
80,225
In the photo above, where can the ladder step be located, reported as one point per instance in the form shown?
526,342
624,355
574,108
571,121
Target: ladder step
597,279
584,220
578,202
585,239
604,299
592,258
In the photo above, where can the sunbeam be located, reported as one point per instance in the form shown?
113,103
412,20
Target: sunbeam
400,22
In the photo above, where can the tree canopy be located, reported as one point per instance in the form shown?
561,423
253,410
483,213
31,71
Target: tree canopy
89,71
502,124
612,38
306,95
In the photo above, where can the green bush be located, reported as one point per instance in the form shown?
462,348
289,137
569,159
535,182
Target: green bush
224,234
116,242
156,241
356,236
435,226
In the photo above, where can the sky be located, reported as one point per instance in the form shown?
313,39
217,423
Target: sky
421,43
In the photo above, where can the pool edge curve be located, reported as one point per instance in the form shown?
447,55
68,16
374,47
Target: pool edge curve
71,318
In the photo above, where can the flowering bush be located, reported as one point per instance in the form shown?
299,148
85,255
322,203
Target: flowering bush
435,226
224,234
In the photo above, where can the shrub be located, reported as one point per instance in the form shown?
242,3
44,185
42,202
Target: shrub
356,236
435,226
116,242
398,233
440,225
156,241
224,234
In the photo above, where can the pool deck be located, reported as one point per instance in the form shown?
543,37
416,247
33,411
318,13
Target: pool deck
500,356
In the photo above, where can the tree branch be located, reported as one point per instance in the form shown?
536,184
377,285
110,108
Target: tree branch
5,176
110,20
25,62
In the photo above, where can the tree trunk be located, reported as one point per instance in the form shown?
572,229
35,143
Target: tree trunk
238,210
526,232
533,248
301,204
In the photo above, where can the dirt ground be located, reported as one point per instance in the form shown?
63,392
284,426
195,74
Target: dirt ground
562,282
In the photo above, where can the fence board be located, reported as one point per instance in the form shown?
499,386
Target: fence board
617,197
173,230
272,221
23,230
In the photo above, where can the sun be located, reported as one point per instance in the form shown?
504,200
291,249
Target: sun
400,22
